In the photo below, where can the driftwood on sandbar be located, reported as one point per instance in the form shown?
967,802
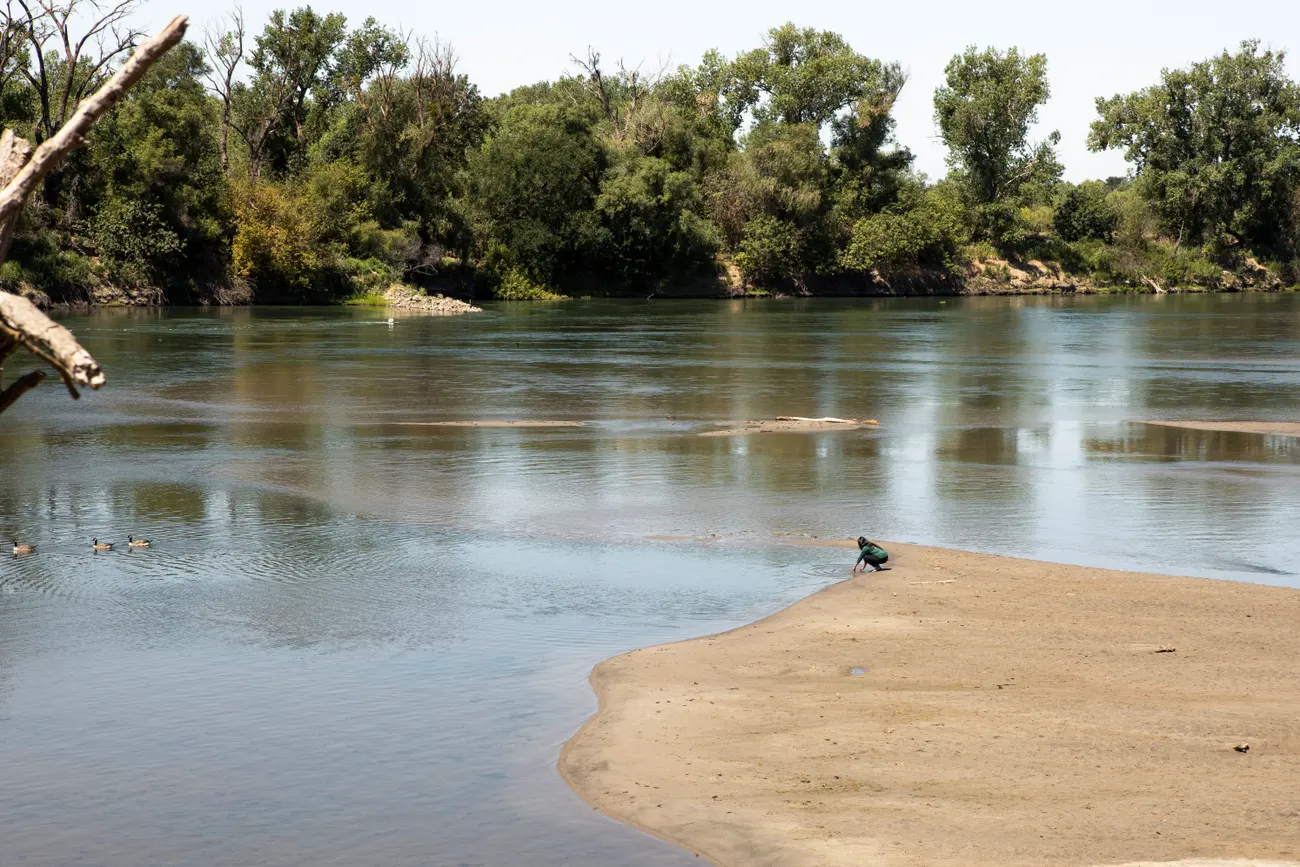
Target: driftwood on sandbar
22,168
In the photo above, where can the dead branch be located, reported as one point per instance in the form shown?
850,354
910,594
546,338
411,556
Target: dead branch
14,154
20,386
85,58
827,419
225,53
595,79
23,324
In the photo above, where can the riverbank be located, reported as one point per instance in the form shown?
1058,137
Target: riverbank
981,279
965,709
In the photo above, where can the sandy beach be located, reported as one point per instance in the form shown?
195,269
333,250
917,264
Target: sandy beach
1275,428
966,709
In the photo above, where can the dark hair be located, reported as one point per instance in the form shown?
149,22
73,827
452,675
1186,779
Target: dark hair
862,541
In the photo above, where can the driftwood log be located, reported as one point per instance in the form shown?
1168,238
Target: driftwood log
828,419
22,168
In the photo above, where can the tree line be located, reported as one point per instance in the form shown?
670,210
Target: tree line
312,160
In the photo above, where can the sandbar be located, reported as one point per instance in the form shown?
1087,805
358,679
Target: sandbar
492,423
965,709
788,425
1274,428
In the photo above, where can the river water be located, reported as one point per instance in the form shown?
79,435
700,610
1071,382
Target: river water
357,640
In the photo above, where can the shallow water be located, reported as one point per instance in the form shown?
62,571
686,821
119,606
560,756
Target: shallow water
360,641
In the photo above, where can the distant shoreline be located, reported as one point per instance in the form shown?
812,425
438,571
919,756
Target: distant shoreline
911,289
964,709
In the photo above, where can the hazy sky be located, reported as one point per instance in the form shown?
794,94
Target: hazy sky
1093,49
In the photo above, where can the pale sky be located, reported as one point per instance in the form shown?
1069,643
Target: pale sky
1093,49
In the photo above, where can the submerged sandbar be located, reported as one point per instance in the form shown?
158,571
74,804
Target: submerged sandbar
491,423
1274,428
788,424
965,709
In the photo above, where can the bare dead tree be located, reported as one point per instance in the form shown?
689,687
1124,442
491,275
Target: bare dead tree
85,58
438,92
22,169
625,98
14,52
596,79
644,120
225,51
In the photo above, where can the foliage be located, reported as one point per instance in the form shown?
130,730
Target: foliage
133,232
515,285
363,297
984,112
768,250
532,184
650,223
925,229
310,159
1216,148
1086,211
802,76
278,244
151,180
293,84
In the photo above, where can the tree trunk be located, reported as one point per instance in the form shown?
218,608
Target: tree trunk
225,138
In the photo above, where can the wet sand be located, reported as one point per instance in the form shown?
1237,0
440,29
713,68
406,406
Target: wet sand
965,709
1275,428
788,425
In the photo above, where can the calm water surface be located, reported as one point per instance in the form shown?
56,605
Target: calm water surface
362,641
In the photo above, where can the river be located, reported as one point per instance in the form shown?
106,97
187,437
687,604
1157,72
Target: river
357,640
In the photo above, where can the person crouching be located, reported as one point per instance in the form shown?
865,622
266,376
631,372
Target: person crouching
870,554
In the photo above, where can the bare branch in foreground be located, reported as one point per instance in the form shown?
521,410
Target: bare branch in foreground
20,386
21,172
22,323
71,135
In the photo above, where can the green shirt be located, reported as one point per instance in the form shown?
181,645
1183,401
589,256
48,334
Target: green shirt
870,550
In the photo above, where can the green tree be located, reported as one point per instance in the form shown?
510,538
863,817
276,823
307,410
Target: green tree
868,171
413,131
651,225
156,194
708,91
984,112
769,251
293,64
1216,148
769,203
532,186
805,76
923,227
